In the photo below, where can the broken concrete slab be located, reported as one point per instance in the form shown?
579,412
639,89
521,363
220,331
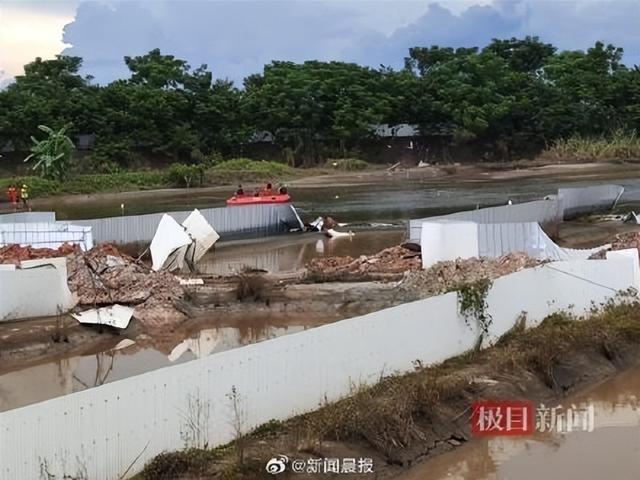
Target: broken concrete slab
117,316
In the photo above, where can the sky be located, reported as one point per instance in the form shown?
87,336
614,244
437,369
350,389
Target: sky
237,37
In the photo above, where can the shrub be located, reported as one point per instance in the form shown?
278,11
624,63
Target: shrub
181,175
619,145
347,164
37,186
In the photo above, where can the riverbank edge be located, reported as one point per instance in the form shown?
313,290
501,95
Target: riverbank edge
130,185
406,419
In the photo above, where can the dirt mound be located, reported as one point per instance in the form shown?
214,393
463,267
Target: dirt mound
620,242
104,276
446,276
15,253
391,262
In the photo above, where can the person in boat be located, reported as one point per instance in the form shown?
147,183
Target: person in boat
282,190
239,191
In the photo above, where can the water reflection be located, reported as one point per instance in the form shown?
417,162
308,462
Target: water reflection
127,358
292,253
612,450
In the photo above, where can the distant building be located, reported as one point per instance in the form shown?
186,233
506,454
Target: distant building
402,130
85,141
262,137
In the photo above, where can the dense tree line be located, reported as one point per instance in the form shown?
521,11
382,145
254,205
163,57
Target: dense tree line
510,98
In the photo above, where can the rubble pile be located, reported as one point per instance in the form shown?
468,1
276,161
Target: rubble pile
446,276
104,276
620,242
392,262
15,253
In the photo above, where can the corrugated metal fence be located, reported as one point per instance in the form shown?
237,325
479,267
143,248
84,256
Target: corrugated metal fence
102,432
540,211
568,202
28,217
575,201
229,222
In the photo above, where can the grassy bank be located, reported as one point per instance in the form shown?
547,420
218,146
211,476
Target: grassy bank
176,176
405,418
620,145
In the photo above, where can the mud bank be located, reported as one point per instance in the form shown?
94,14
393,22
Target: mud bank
405,420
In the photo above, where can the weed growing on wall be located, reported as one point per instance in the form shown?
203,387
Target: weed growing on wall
472,303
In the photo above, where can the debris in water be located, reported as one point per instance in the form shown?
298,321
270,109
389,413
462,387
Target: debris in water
393,260
117,316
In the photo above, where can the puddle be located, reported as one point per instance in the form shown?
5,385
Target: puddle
198,339
293,252
611,450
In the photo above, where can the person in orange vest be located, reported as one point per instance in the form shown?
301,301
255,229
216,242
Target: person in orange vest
12,194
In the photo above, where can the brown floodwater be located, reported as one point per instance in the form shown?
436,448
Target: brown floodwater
292,252
611,451
128,357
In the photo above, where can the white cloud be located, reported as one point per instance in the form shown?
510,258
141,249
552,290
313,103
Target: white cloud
236,37
30,29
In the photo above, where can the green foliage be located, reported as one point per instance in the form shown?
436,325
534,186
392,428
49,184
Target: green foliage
619,145
472,302
511,98
52,154
37,186
347,164
181,175
115,182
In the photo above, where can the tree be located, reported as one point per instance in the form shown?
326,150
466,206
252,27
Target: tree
52,154
527,55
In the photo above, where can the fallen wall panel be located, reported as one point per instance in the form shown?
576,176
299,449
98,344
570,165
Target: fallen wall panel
102,432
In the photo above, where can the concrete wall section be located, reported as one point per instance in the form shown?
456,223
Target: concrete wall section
447,241
99,432
37,288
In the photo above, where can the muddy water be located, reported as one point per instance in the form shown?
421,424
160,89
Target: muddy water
610,451
381,202
128,357
293,252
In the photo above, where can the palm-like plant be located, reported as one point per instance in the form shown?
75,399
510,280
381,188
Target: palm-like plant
51,154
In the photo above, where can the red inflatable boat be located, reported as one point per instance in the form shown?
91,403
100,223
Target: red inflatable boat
262,198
